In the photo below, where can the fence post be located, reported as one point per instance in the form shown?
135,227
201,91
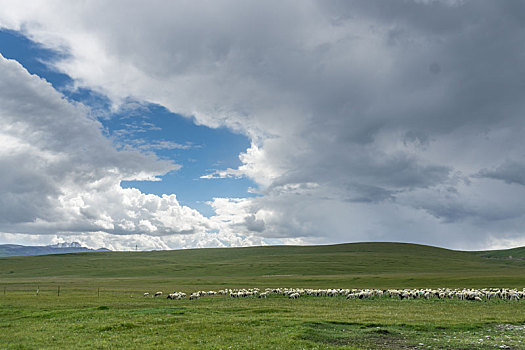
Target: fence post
98,292
58,292
4,291
37,289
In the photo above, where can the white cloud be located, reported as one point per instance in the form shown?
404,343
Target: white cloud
60,174
369,120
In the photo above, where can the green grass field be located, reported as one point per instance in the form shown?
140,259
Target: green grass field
101,305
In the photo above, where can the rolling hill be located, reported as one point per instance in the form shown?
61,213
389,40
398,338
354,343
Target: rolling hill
356,264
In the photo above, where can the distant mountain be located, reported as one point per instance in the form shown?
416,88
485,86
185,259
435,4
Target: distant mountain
59,248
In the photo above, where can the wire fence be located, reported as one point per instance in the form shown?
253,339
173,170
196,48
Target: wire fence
64,291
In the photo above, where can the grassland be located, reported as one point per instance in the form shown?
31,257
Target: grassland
101,305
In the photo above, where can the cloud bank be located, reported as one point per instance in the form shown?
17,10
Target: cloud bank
61,177
369,120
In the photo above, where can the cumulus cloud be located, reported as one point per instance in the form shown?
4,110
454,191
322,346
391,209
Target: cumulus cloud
369,120
60,174
100,239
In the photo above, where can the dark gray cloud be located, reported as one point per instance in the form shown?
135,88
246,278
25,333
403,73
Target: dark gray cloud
511,172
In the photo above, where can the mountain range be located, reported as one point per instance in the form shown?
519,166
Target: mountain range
59,248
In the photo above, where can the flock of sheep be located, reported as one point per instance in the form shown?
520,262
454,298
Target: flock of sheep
294,293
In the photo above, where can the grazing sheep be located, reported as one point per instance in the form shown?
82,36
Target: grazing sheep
263,295
394,293
408,294
176,296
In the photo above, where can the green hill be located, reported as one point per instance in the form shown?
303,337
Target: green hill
345,265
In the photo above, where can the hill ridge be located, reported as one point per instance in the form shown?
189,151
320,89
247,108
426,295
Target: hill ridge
352,264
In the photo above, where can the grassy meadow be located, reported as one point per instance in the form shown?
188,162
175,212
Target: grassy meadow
100,303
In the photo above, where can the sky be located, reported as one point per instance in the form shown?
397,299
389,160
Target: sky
177,124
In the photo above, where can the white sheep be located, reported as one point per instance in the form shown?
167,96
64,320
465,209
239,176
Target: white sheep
294,293
294,296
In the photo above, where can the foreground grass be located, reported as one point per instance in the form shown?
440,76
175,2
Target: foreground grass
101,305
82,322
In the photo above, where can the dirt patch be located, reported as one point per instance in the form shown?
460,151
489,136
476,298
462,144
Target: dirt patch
363,336
511,327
